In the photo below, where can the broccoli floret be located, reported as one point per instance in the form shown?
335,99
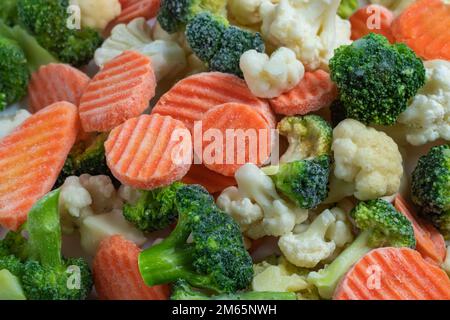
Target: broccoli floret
8,12
48,20
305,182
308,136
220,45
214,257
376,79
42,271
183,291
347,7
13,73
381,225
430,186
175,14
154,210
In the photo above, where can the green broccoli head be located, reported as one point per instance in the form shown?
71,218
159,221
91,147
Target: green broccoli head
48,21
431,185
14,73
347,7
12,264
305,182
154,210
183,291
215,259
376,79
175,14
308,136
381,225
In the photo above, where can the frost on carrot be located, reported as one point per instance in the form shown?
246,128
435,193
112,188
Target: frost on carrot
31,158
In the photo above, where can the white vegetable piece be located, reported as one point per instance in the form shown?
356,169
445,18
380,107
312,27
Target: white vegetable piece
270,77
10,122
246,12
312,29
97,13
277,279
428,116
257,207
340,232
308,248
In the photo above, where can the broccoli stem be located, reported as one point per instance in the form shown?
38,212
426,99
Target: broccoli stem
327,279
44,231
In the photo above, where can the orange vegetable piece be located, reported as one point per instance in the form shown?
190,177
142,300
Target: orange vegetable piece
314,92
120,91
146,153
425,27
372,19
56,82
117,276
31,158
212,181
394,274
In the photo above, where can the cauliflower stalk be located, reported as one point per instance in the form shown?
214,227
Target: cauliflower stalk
92,205
366,158
312,29
10,122
428,116
270,77
168,58
257,207
97,13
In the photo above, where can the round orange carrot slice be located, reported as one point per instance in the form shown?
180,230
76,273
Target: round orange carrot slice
394,274
212,181
56,82
117,276
314,92
234,134
193,96
150,151
372,19
120,91
31,158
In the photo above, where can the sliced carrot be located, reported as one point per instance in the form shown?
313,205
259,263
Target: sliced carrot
314,92
394,274
117,276
212,181
429,242
193,96
147,152
425,27
234,134
372,19
132,9
56,82
31,158
120,91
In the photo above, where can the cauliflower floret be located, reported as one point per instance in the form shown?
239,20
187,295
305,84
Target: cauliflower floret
428,116
10,122
446,264
270,77
340,232
397,6
246,12
257,207
97,13
367,158
308,248
312,29
168,58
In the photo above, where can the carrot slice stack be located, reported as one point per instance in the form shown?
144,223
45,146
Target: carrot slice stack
56,82
394,274
150,151
117,276
192,97
120,91
31,158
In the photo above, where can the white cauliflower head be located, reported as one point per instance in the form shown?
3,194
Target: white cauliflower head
97,13
270,77
340,232
168,58
367,158
246,12
257,207
308,248
10,122
428,116
312,29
